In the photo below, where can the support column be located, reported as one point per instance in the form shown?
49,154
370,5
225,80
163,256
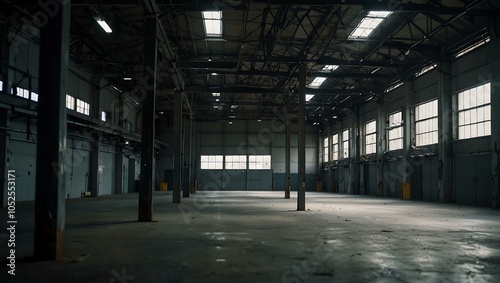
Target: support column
288,184
355,153
301,192
191,137
407,132
185,189
50,207
95,99
6,74
445,142
4,164
381,147
495,120
177,147
93,186
148,122
119,170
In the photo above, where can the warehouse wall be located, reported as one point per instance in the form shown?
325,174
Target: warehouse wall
473,170
256,138
19,129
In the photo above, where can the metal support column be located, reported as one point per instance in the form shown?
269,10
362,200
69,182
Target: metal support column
355,153
190,163
288,184
495,120
177,147
95,99
93,186
119,170
407,133
445,142
185,189
148,122
301,192
50,210
4,165
380,147
6,74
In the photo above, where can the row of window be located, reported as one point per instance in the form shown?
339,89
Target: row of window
235,162
474,120
81,106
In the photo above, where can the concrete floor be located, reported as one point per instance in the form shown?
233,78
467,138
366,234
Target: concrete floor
260,237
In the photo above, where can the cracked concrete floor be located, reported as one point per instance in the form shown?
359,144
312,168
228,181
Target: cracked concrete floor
260,237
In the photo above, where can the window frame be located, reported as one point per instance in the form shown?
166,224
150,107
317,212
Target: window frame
429,120
369,142
485,121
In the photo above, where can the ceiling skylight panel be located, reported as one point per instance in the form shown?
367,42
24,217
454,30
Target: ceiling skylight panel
329,68
212,21
309,97
317,82
368,24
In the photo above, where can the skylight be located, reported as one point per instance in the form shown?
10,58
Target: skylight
425,70
368,24
317,82
472,47
212,20
309,97
215,94
329,68
393,87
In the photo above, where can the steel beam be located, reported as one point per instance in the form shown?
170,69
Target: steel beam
301,194
50,210
229,89
205,65
176,196
93,186
148,121
119,170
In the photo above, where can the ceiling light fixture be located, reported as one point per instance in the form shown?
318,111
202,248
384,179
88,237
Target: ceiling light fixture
104,25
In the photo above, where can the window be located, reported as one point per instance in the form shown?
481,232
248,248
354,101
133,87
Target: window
1,86
474,112
368,24
236,162
426,123
257,162
24,93
472,47
371,137
212,21
345,143
211,162
216,94
309,97
34,96
335,147
103,116
325,150
395,131
70,102
82,107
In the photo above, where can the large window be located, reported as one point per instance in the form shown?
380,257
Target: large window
325,150
70,102
236,162
345,143
371,137
259,162
474,112
335,147
426,123
82,107
1,86
211,162
395,131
